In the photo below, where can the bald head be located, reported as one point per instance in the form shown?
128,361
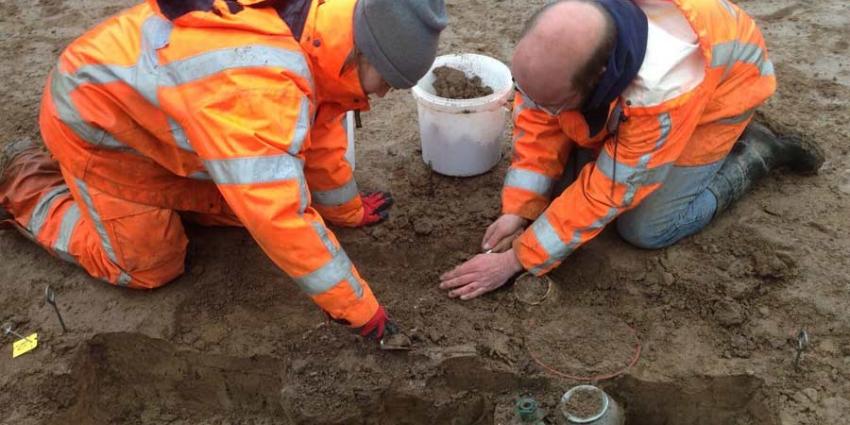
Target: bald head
563,49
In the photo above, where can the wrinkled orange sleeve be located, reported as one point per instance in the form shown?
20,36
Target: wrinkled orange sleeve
329,175
630,166
540,150
252,141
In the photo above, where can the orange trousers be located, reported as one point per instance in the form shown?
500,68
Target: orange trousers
115,240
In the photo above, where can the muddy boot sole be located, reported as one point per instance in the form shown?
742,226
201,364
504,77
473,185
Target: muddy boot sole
790,149
807,157
6,219
8,153
11,150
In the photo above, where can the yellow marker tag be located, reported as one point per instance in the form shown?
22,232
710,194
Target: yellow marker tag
24,346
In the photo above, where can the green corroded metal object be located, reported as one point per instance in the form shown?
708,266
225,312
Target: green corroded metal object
527,411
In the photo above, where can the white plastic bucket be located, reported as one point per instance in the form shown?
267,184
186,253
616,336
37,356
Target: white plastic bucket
461,137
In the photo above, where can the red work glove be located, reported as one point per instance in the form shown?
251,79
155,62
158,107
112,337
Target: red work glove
376,207
375,327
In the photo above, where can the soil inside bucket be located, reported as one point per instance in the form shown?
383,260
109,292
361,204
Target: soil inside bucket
584,403
453,83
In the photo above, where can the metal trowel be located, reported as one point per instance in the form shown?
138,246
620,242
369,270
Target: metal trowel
394,339
396,342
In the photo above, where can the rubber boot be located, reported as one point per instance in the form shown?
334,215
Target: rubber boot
5,217
756,153
7,154
11,151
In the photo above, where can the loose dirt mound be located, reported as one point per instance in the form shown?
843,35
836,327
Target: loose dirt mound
453,83
583,343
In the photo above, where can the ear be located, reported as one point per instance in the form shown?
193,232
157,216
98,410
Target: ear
351,61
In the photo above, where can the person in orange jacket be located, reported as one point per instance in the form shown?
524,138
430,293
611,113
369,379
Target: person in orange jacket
223,112
643,110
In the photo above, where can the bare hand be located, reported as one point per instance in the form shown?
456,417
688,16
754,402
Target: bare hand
502,232
481,274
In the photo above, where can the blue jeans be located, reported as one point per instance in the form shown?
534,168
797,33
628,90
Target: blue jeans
680,208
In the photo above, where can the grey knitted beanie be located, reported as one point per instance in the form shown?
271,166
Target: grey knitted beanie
399,37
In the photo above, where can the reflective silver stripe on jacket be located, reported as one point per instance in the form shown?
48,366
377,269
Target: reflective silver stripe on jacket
254,170
336,197
43,206
529,180
106,243
147,76
66,230
728,53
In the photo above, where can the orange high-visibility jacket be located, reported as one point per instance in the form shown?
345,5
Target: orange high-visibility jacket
215,99
650,129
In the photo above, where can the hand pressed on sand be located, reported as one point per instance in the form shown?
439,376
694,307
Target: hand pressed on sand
501,234
482,274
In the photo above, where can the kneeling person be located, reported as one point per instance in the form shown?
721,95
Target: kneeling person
225,112
646,106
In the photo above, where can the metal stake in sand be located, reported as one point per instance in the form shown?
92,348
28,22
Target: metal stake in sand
8,329
802,345
50,296
24,345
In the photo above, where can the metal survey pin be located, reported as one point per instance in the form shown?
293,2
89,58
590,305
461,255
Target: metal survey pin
802,345
50,296
8,329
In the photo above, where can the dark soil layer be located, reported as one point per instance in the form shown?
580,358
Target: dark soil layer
150,377
453,83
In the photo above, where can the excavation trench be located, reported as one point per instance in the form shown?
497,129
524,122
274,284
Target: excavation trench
131,378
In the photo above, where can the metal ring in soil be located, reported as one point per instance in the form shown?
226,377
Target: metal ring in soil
549,284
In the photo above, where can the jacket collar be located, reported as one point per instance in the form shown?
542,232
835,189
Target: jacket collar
623,64
230,14
327,41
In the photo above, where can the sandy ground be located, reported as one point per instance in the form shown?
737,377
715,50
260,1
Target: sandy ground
234,342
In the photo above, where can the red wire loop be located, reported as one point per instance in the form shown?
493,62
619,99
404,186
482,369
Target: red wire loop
633,361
